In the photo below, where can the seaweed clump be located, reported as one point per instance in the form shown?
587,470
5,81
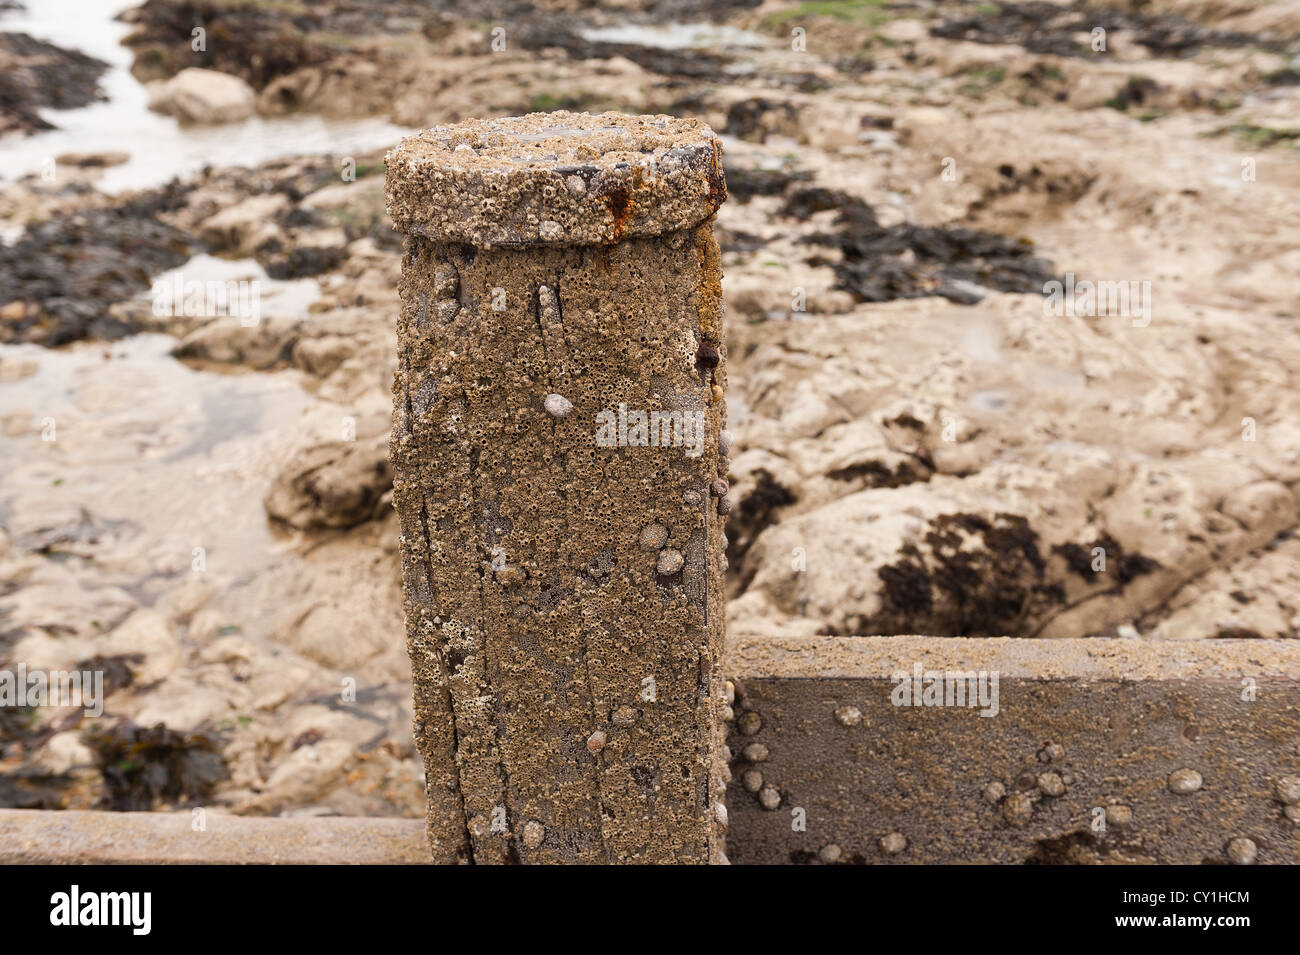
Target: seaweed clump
1124,567
144,767
755,512
881,263
67,271
975,577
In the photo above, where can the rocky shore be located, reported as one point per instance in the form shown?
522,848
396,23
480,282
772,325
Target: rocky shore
923,444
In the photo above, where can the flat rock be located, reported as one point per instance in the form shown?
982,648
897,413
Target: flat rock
203,96
335,484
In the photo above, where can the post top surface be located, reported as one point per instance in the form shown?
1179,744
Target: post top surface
555,178
544,141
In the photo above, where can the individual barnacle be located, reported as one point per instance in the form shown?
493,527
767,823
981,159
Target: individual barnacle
534,834
653,537
670,561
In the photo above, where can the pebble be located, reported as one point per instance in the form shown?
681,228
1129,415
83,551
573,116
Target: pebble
1183,781
756,753
749,723
830,854
558,405
1288,789
670,561
1242,851
752,780
848,715
596,741
769,798
993,793
1050,784
534,833
893,844
1017,809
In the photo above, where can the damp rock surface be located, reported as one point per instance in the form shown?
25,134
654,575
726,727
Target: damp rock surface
334,484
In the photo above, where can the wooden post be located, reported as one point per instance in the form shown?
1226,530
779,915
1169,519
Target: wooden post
559,459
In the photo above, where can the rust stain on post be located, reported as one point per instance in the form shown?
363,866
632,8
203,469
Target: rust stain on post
558,481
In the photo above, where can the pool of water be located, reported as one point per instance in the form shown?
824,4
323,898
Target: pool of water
154,457
677,36
159,147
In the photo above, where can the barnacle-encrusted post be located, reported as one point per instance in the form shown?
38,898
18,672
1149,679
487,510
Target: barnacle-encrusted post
558,412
